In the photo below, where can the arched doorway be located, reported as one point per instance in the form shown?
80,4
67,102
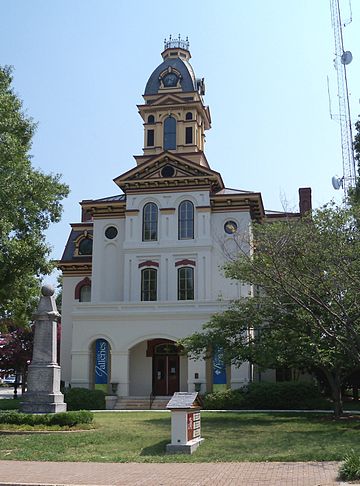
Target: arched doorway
165,366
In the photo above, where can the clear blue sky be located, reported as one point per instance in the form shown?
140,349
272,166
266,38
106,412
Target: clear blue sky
81,67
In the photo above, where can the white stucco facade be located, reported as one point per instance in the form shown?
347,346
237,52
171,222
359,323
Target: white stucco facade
138,328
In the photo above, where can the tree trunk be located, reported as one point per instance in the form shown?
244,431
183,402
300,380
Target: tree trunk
334,381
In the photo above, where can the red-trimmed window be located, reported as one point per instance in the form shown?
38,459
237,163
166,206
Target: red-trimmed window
186,283
83,290
149,284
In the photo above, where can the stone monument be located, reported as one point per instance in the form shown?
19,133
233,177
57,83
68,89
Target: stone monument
43,389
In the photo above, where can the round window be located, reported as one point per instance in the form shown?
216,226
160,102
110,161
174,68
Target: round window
111,232
230,227
168,171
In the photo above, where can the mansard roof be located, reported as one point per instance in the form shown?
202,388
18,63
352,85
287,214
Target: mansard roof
71,262
187,81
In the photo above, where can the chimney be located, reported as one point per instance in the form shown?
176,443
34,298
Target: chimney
305,200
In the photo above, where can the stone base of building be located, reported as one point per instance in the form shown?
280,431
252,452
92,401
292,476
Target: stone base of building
188,448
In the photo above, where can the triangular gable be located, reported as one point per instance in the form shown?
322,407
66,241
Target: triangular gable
183,172
169,98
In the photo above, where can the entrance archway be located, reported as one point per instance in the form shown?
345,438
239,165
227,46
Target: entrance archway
165,366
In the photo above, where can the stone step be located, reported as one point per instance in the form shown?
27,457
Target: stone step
141,403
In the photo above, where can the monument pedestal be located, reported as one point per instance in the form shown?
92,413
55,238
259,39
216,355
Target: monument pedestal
43,395
43,388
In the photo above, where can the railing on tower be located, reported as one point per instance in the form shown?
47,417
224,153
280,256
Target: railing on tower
176,43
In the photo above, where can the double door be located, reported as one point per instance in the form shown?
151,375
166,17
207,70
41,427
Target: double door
165,374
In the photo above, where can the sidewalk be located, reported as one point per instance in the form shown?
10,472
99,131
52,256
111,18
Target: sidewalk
17,473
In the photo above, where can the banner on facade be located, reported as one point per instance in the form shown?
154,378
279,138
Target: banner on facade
219,371
101,365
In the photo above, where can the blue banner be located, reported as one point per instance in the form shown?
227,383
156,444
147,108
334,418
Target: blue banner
219,371
101,363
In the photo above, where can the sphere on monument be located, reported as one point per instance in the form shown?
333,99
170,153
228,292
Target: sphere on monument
47,290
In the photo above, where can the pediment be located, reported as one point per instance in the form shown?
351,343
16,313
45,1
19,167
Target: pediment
169,99
169,171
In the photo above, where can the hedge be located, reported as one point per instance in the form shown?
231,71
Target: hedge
269,396
69,419
84,399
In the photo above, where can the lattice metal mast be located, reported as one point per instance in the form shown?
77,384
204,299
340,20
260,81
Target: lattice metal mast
342,58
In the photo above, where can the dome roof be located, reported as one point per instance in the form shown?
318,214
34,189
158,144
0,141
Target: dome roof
187,79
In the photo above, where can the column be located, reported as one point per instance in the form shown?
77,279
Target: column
120,371
240,375
197,375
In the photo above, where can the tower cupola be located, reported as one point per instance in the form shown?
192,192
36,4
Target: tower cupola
175,117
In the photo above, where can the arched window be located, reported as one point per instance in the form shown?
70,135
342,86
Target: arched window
186,220
151,119
83,290
188,116
186,283
150,222
149,284
170,133
85,246
85,293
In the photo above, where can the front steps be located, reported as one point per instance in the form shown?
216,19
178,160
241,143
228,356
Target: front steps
141,403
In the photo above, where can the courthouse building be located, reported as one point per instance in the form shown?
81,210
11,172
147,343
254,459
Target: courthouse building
143,268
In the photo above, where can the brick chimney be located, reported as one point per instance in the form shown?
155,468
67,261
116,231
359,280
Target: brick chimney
305,200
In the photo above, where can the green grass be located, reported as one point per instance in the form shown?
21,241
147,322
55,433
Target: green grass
142,437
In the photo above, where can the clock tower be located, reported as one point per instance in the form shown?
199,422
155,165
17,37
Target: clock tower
175,117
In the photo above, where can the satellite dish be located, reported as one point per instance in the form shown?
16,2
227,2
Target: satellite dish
336,182
346,58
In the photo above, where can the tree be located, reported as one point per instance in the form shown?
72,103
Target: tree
306,313
16,351
355,192
29,202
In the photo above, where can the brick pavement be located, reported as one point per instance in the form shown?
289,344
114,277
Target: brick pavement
18,473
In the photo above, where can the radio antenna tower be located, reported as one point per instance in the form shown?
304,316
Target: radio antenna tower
342,59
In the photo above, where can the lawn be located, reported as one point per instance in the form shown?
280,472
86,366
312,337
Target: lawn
142,437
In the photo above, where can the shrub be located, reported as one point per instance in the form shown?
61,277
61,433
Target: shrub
265,395
84,399
69,419
9,403
226,400
350,468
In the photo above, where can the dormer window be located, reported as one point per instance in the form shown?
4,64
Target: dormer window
170,80
85,246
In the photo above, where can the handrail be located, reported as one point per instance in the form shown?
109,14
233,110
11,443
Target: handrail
152,398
